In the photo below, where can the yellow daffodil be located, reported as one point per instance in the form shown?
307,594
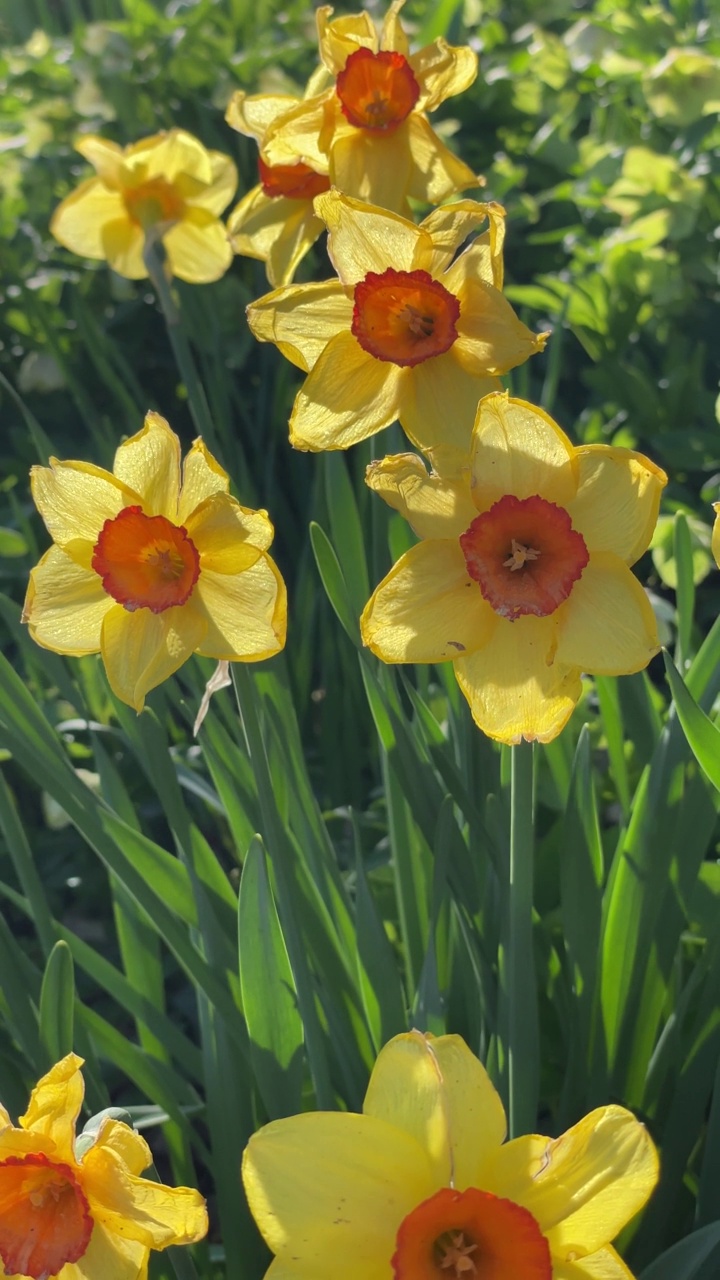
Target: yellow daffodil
168,186
149,566
369,125
405,332
421,1186
77,1208
275,221
522,576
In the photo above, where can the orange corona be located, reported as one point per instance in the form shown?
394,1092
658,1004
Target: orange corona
377,91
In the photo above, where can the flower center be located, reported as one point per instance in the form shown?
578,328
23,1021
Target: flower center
404,316
146,562
154,201
525,555
470,1235
294,181
377,91
44,1217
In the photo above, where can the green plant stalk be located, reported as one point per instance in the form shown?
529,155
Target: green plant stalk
517,971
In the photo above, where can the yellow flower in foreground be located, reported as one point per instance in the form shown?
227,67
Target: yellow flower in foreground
405,332
275,221
370,125
522,577
422,1187
169,186
77,1209
148,567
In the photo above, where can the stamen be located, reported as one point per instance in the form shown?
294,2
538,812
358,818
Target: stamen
456,1253
519,555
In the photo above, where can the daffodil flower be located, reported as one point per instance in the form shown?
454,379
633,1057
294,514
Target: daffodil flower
421,1186
275,221
149,566
168,187
405,332
370,125
77,1208
522,576
716,534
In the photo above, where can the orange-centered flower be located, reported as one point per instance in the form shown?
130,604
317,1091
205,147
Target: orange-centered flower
368,126
76,1208
422,1185
404,316
294,181
522,577
151,565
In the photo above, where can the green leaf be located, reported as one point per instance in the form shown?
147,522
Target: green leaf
57,1003
702,735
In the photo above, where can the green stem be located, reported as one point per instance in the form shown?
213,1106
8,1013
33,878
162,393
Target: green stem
518,986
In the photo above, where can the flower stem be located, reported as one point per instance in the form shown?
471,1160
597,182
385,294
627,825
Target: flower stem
518,991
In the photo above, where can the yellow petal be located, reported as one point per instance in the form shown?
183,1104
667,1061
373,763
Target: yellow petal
79,221
605,1264
297,134
436,507
376,168
246,612
137,1209
483,260
514,688
17,1142
65,605
228,537
166,155
198,248
491,339
277,230
364,238
607,626
302,319
252,114
202,476
123,242
348,396
75,499
55,1104
338,39
215,195
442,70
4,1117
518,449
450,226
427,608
617,501
324,1186
436,1090
716,534
392,36
141,649
438,404
149,463
584,1186
436,171
132,1149
110,1256
106,157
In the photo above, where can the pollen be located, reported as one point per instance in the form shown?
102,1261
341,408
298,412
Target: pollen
377,91
404,316
146,562
45,1220
519,555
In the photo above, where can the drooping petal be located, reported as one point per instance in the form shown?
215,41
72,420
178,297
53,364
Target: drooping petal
245,613
279,231
518,449
79,221
65,605
110,1256
149,463
129,1145
106,157
438,404
137,1209
491,339
296,135
364,238
348,396
442,70
514,688
483,259
329,1185
142,649
436,507
605,1264
392,36
617,501
436,172
228,537
215,195
436,1090
340,38
198,248
584,1186
450,226
607,626
375,167
302,319
252,114
55,1104
122,244
75,499
427,608
202,476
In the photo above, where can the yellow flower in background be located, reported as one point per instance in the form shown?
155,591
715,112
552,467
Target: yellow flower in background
405,332
150,565
716,534
275,221
370,124
422,1186
77,1209
522,576
168,186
